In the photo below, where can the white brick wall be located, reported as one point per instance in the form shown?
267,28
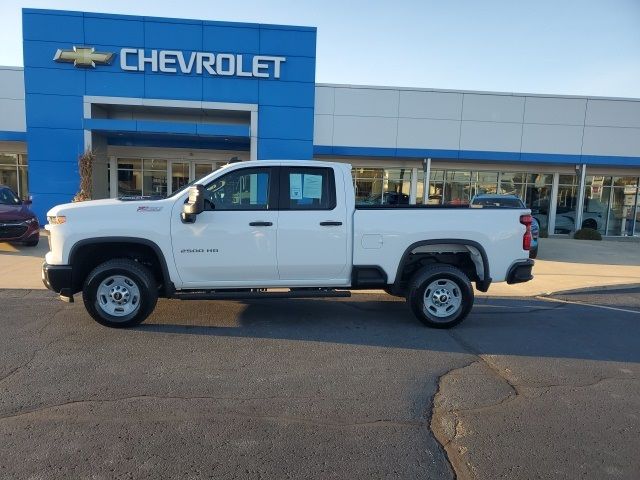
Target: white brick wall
12,116
383,117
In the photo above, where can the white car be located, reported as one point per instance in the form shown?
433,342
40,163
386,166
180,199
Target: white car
252,227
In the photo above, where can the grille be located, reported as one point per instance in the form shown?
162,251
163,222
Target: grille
12,230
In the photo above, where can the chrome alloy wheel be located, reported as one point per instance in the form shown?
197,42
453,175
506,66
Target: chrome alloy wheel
442,298
118,296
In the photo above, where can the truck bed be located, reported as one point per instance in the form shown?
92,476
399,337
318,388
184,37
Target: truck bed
383,233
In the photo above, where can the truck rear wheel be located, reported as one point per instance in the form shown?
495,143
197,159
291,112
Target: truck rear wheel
441,296
120,293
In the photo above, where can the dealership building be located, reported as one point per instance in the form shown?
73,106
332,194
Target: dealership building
161,102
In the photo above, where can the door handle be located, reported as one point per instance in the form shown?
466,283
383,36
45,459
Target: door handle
260,224
330,224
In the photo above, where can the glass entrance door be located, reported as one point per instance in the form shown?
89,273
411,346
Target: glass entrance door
179,174
137,176
202,169
184,171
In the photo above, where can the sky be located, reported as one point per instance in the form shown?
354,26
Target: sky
575,47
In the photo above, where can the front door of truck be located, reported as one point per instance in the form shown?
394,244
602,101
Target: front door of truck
233,242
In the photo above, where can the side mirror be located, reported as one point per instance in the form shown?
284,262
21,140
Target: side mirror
27,201
194,205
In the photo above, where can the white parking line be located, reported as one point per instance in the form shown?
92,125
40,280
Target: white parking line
590,305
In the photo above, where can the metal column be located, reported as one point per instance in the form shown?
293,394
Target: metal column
553,204
580,206
426,167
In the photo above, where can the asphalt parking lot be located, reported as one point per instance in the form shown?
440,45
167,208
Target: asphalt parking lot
349,388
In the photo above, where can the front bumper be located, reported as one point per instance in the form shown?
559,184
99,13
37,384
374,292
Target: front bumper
19,231
520,272
59,279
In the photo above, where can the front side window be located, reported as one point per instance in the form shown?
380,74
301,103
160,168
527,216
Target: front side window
244,189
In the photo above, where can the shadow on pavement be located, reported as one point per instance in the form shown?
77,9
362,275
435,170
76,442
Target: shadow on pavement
590,252
499,326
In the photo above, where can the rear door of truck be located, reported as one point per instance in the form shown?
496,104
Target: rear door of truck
313,231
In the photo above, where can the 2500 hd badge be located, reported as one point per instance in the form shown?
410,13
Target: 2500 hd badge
199,250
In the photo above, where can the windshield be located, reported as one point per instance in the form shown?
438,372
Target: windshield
7,197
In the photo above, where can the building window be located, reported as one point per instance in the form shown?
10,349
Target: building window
535,191
396,186
154,175
457,188
129,177
179,175
631,207
484,183
611,205
382,186
567,203
596,202
436,187
622,207
367,183
14,173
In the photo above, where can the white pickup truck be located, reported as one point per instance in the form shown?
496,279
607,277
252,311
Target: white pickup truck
274,229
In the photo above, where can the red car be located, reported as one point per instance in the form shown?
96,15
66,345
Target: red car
17,222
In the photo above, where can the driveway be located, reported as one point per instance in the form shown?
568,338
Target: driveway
524,388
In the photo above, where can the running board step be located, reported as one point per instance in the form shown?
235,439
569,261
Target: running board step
256,294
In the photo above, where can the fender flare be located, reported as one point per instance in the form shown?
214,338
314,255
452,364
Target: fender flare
169,287
482,285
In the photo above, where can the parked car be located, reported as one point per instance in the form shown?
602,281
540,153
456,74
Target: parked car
287,225
509,201
18,224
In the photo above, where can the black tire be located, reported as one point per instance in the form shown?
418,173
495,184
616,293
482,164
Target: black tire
455,282
590,223
137,274
32,243
533,253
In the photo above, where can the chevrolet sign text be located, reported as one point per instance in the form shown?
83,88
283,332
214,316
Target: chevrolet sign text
223,64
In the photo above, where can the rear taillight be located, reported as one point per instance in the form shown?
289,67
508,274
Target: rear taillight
526,239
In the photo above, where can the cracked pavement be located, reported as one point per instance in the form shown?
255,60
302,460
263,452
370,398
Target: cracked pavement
347,388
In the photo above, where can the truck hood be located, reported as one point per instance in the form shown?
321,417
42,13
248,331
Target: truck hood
110,206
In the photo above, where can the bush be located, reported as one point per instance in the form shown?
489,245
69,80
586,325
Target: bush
587,234
85,169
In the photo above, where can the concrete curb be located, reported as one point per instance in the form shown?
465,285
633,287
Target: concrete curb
600,288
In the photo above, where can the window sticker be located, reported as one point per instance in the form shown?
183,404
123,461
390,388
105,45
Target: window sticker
295,186
312,186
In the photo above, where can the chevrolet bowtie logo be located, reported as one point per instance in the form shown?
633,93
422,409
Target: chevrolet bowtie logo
84,57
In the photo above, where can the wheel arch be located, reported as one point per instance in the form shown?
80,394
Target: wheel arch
483,270
83,247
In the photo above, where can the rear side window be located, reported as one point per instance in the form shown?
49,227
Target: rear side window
307,188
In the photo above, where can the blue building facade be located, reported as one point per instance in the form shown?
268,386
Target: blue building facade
179,64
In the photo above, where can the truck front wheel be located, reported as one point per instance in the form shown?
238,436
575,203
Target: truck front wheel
441,296
120,293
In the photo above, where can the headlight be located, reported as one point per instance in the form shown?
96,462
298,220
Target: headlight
32,221
57,219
